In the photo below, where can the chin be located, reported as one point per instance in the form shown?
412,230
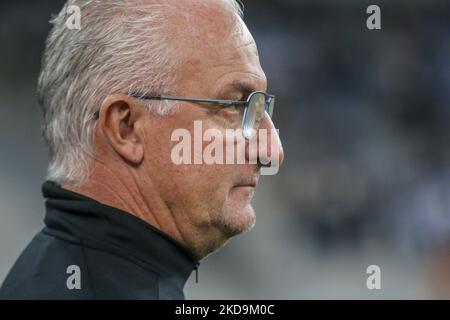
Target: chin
233,219
237,220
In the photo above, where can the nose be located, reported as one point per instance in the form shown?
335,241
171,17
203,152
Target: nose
269,150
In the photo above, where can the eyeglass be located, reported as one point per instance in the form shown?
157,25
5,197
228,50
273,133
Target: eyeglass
258,103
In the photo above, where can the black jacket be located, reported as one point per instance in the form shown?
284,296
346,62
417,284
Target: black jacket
118,256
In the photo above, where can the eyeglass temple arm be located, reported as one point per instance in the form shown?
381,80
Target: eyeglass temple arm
212,101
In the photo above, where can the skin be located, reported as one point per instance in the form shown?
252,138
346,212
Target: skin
200,206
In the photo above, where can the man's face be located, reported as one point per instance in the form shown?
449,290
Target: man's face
221,62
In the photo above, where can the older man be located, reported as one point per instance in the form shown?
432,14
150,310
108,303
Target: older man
124,220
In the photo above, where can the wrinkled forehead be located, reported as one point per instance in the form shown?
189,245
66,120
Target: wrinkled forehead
211,30
214,42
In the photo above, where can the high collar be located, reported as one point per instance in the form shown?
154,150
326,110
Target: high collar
77,218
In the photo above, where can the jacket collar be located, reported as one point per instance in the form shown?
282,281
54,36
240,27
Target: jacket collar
77,218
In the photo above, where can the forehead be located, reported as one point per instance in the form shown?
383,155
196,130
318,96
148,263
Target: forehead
217,46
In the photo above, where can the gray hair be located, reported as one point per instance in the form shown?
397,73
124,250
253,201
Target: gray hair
122,47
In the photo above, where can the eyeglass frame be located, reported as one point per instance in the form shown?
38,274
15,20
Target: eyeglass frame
269,98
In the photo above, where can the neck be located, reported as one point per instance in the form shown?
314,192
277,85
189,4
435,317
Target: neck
120,189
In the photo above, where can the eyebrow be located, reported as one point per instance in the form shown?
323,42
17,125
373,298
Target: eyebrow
240,85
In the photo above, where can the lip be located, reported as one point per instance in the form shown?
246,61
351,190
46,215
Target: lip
252,182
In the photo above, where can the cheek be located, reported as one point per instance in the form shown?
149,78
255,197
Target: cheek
192,188
203,184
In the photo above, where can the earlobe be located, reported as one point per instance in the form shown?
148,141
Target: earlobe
119,121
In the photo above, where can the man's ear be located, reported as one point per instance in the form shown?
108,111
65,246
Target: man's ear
121,120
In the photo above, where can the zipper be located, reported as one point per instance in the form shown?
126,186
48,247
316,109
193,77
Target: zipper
196,271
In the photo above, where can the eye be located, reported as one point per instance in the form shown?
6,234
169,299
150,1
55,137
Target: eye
234,108
232,112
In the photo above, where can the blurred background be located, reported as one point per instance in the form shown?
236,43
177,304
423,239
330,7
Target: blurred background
364,117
